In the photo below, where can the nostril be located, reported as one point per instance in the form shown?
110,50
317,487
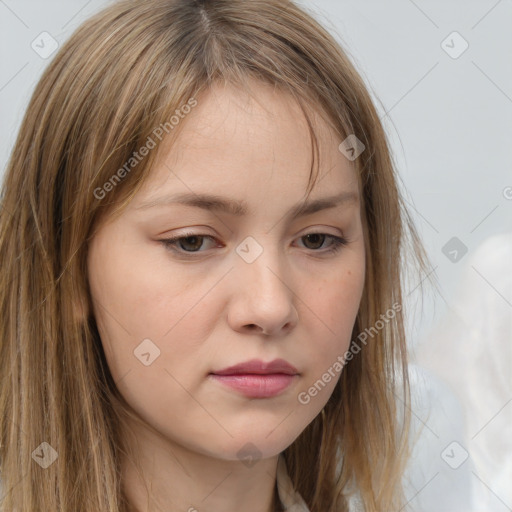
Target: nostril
254,327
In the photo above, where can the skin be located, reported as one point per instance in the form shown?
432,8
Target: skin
211,309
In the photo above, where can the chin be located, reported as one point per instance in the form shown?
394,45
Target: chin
259,439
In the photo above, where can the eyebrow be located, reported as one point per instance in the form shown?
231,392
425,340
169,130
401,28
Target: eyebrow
240,208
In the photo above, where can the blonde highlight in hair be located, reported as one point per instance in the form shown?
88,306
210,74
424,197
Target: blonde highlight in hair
123,73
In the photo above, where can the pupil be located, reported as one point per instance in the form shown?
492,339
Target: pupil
318,235
193,238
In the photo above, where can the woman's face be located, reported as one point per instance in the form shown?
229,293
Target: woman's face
245,285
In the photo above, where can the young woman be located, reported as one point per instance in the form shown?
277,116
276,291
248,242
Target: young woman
201,238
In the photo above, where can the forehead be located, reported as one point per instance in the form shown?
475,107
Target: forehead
242,143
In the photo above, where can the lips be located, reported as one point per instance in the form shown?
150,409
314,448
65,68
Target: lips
257,367
257,379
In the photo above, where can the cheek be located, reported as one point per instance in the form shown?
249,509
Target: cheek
337,299
142,293
334,307
136,297
176,311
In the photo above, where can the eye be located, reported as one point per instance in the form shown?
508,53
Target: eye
317,239
190,243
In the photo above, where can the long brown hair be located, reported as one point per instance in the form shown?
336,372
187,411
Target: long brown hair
120,76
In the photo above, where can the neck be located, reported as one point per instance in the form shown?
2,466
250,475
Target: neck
159,475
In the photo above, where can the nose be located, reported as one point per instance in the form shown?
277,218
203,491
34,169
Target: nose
263,301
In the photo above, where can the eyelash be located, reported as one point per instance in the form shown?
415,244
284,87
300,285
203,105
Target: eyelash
170,243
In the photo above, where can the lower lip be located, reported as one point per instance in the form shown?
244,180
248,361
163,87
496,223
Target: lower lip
257,386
